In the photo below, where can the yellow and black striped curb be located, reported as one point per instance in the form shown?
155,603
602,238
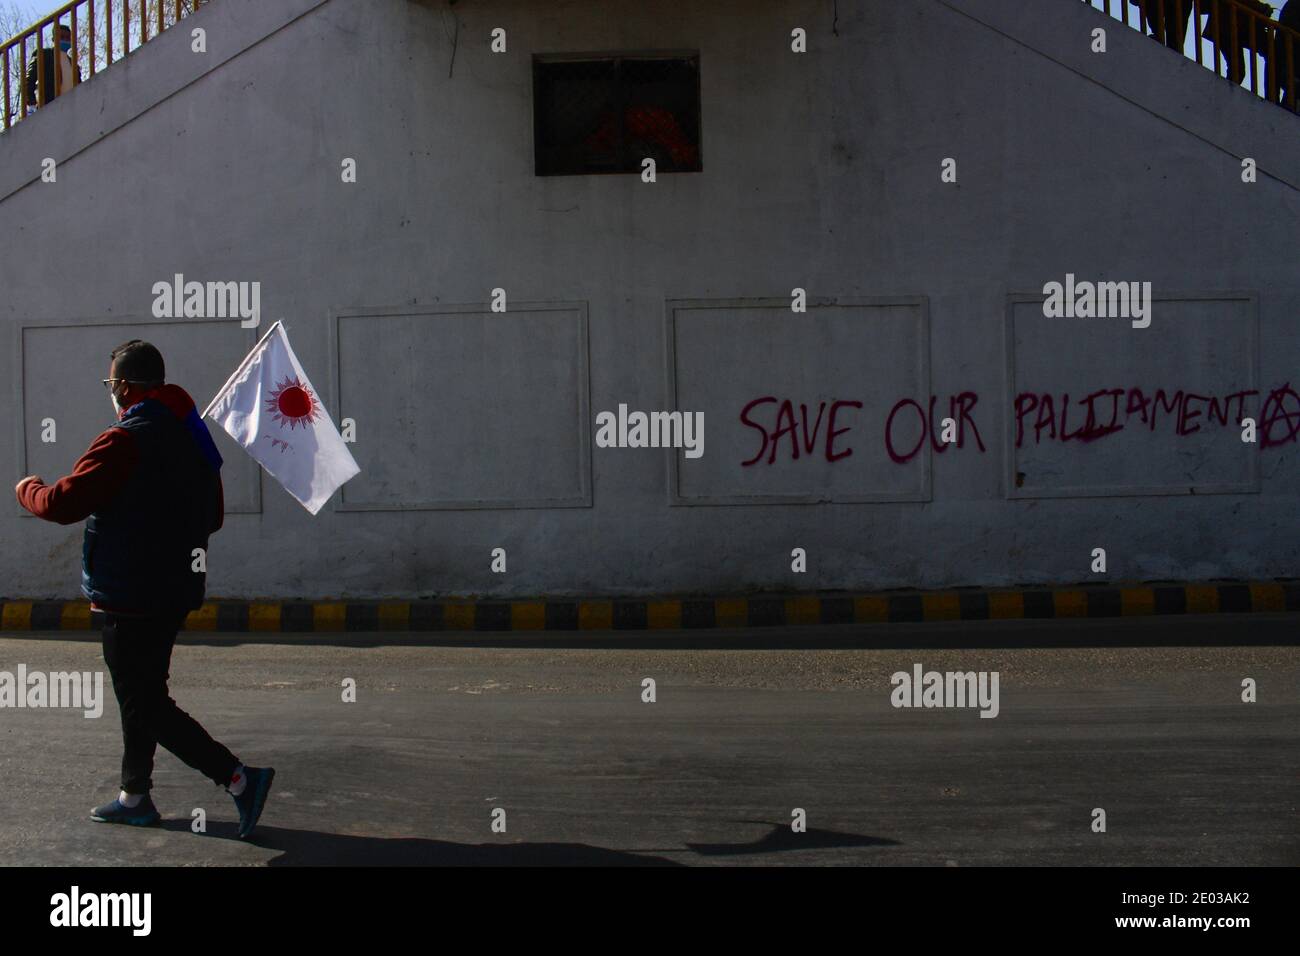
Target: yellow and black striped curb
604,614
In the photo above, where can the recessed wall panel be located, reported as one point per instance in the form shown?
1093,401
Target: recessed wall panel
466,408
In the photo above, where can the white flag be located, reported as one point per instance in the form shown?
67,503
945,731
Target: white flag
270,408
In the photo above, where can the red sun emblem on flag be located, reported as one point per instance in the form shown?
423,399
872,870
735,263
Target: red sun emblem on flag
292,402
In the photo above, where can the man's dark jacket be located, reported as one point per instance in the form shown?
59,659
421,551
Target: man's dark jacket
48,92
150,490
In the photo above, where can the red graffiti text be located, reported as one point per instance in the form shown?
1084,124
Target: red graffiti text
897,433
802,431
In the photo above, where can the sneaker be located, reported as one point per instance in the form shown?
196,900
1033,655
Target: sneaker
143,814
253,799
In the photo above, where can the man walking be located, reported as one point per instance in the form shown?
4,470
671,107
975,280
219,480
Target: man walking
1167,19
1285,60
149,489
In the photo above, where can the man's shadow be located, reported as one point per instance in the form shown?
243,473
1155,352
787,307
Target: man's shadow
781,838
314,848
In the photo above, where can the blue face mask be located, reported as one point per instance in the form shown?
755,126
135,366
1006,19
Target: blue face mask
65,45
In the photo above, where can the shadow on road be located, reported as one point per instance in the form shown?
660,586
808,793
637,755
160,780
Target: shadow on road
314,848
781,838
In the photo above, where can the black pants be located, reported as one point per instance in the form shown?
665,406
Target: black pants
138,652
1165,25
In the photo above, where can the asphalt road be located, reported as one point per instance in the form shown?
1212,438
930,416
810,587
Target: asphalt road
586,772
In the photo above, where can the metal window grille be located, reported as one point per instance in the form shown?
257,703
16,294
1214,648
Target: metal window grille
608,114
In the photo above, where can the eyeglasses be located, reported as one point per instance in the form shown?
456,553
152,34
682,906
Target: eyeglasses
108,382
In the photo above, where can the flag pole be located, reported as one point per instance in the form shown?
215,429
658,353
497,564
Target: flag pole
242,365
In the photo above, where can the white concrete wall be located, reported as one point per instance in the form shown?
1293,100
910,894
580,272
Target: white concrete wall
820,171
